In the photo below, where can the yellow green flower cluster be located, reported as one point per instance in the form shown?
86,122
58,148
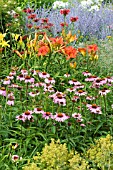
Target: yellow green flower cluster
56,156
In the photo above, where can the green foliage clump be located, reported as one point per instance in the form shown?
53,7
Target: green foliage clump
56,156
101,154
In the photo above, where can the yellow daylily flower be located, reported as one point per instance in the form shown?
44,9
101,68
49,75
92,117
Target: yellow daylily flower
73,65
4,44
2,36
17,36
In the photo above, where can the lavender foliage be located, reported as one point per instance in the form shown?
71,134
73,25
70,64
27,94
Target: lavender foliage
91,23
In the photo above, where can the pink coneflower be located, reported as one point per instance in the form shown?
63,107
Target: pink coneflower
29,79
74,82
20,77
11,77
38,110
71,89
34,72
39,84
10,101
91,78
43,75
66,75
77,115
6,81
49,80
82,125
86,73
27,114
104,91
79,86
60,117
15,158
49,89
14,86
33,94
24,72
57,94
75,98
80,93
13,73
60,100
21,117
46,115
109,79
94,108
90,98
3,91
100,81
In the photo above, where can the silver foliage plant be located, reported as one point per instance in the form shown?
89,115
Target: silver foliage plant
94,23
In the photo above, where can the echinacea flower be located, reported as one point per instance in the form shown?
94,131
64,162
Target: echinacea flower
43,75
77,115
6,81
10,101
21,117
46,115
90,98
75,98
104,91
15,158
29,79
60,117
38,111
21,77
67,75
86,73
27,114
50,80
10,76
80,93
74,82
94,108
33,94
60,100
3,91
91,78
24,72
71,89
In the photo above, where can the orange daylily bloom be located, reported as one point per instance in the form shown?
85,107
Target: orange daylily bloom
42,51
82,51
58,41
92,48
70,51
